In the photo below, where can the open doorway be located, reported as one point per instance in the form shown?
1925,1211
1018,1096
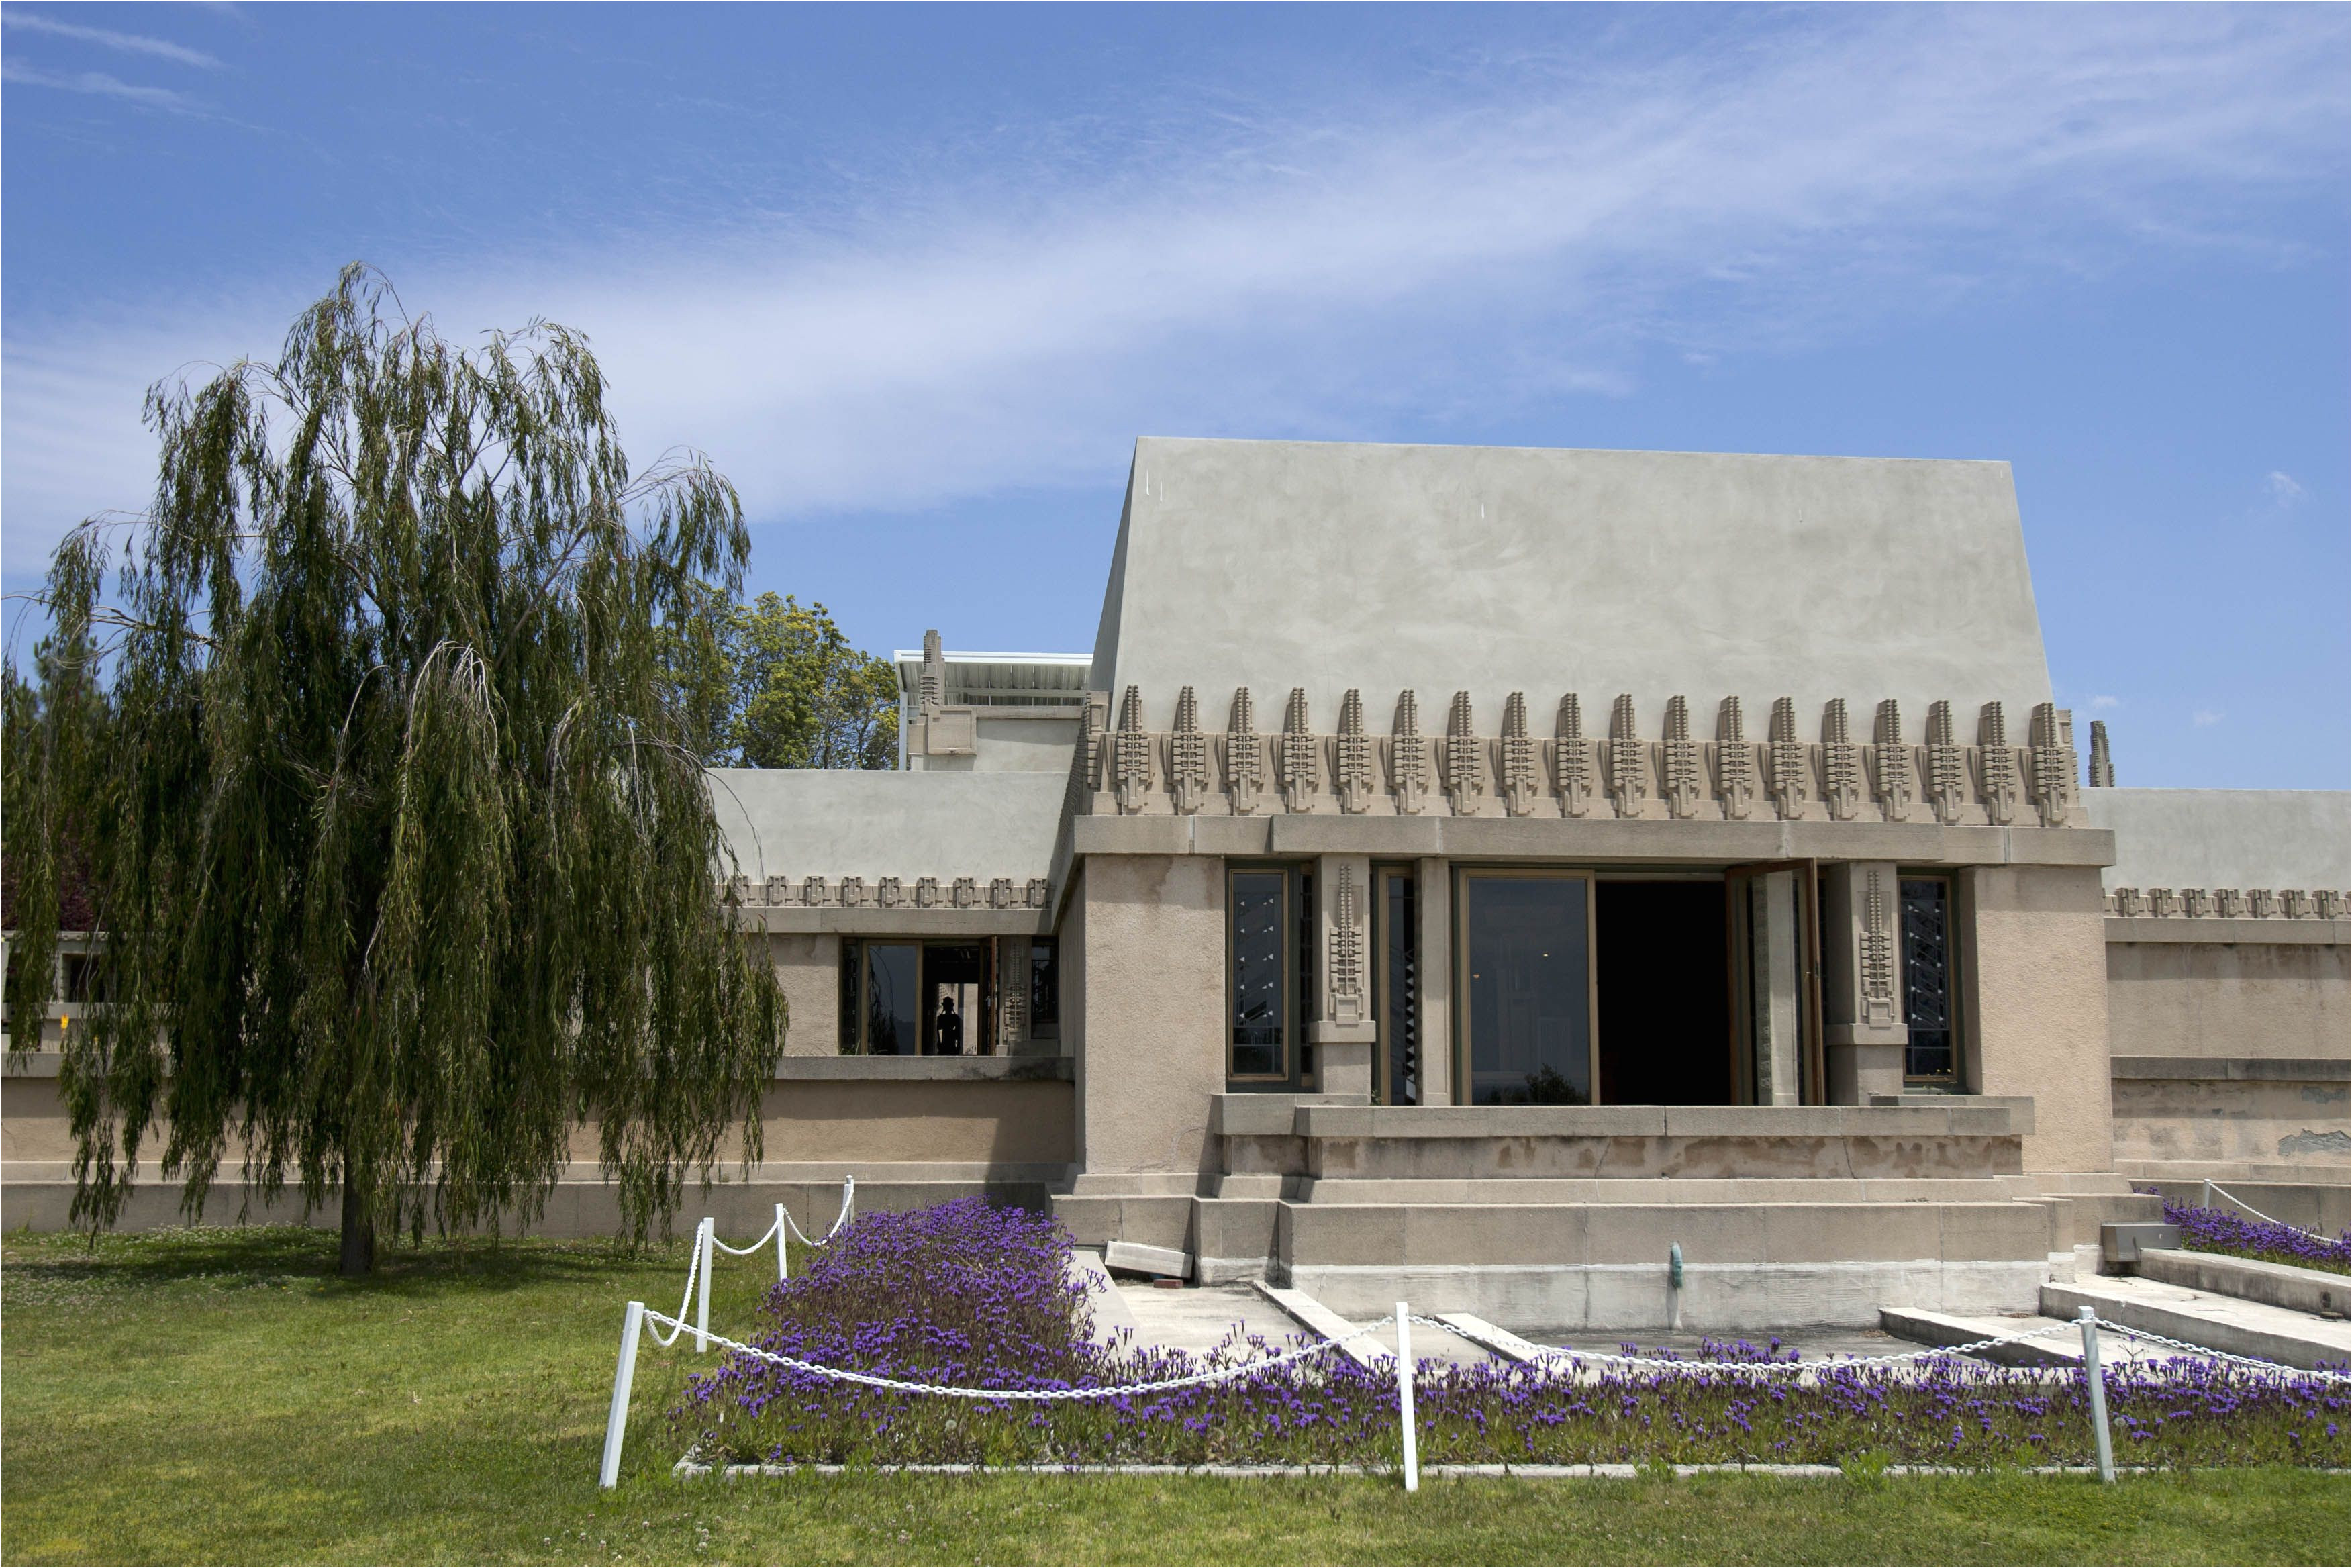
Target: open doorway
1662,998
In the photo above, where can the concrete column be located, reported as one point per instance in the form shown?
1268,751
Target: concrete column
1433,900
2034,968
1143,955
1862,1032
1340,1024
1774,956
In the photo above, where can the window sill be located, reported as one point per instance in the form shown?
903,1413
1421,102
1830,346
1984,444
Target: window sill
925,1070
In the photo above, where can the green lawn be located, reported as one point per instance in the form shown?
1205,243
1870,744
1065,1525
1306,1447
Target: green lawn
217,1396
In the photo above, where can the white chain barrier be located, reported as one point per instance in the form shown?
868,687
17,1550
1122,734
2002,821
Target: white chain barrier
2213,1187
638,1320
703,1256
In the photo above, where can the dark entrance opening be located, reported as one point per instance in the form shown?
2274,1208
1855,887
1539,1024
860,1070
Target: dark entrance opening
1665,1000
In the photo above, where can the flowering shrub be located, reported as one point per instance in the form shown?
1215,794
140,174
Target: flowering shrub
971,1296
2224,1230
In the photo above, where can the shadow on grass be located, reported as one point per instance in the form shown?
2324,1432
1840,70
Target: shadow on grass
279,1255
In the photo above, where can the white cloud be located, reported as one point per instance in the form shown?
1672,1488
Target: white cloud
2206,716
106,38
2104,704
1306,275
2283,489
101,85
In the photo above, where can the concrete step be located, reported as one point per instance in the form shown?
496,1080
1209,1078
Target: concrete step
2311,1290
2200,1318
1316,1318
1485,1335
1922,1327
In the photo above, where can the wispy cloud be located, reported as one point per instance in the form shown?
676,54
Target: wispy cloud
2206,717
107,38
2105,704
2283,489
101,85
1466,249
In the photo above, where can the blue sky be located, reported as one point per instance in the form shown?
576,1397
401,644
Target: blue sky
917,278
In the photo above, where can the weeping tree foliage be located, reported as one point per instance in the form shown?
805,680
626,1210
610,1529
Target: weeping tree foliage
383,759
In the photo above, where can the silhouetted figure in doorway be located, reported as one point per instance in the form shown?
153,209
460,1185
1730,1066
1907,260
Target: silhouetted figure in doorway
948,1029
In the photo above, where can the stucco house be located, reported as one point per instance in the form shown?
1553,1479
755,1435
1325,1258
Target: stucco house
1466,872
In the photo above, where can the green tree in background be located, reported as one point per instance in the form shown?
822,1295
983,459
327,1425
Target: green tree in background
803,697
385,758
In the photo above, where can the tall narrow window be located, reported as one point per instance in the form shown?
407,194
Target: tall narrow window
1260,945
1044,990
1399,989
894,1024
1927,987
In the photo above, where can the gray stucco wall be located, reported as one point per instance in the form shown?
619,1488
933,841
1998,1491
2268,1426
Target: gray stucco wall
2226,838
795,822
1272,564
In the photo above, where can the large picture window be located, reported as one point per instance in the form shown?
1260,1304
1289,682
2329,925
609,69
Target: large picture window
1526,953
901,997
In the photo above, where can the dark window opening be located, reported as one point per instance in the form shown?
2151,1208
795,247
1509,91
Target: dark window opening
1260,980
1044,990
1526,966
1399,989
1665,998
1928,988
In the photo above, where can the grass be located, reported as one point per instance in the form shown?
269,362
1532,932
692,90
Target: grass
218,1396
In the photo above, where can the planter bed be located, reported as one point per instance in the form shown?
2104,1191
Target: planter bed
968,1296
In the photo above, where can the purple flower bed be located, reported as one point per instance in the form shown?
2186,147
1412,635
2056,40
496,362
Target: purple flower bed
971,1296
2225,1230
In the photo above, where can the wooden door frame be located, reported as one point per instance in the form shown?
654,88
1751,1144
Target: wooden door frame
1812,1083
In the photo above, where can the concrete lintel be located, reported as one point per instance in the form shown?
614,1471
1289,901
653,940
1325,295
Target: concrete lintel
933,1069
2275,931
2237,1069
903,920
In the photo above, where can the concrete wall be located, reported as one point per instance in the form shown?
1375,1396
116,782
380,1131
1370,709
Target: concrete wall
1150,931
2034,986
2226,838
1280,564
808,967
2230,999
833,822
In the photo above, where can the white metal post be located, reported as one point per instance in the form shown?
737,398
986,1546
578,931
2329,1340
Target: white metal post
2209,1194
633,1324
1404,1398
848,1199
782,1268
2098,1383
702,1297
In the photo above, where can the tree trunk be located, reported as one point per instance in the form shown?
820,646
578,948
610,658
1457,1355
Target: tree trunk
358,1234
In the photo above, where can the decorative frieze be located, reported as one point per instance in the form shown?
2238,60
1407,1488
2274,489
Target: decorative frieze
1244,756
892,893
1735,761
1629,772
1678,775
1944,766
1877,953
1131,754
1351,756
1890,764
2228,903
1518,768
1841,771
1571,763
1188,755
1680,766
1459,763
1407,757
1790,758
1300,775
1348,1004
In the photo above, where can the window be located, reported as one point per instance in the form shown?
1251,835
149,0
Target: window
1399,983
1928,988
1270,944
1527,991
1044,990
901,997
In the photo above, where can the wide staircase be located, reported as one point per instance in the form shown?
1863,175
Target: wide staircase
1574,1217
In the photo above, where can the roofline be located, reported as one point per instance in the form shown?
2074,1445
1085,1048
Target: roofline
950,655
